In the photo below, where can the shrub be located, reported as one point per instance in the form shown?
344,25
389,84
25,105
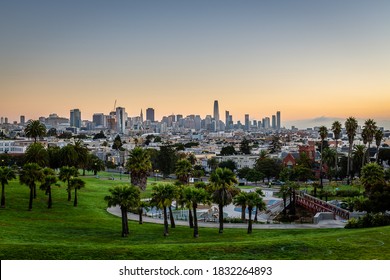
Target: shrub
369,220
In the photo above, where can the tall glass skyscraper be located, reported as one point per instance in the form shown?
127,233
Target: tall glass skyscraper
216,115
75,118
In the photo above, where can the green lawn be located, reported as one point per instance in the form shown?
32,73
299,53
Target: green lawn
89,232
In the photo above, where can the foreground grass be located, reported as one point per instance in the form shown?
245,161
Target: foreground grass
89,232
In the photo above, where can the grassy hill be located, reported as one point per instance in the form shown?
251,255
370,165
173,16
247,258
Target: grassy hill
89,232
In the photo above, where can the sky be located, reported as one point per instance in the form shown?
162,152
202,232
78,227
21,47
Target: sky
311,60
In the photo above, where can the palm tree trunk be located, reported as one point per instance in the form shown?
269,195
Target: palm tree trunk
190,219
125,227
140,212
69,193
256,213
220,214
196,230
284,204
349,164
321,184
49,201
35,191
250,220
243,207
173,225
31,198
75,197
2,195
165,222
336,162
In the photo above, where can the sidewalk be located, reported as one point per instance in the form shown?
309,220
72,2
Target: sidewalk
322,224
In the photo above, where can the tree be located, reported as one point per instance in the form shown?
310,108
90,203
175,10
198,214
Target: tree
378,140
139,166
245,147
222,182
49,180
54,156
76,184
336,128
36,153
30,175
69,156
99,135
228,164
240,200
351,125
328,156
275,145
67,173
243,172
253,199
117,143
358,155
183,171
372,175
162,197
95,164
228,151
323,134
196,196
82,155
6,174
254,176
212,163
166,159
370,129
35,129
52,132
268,166
141,206
261,206
126,197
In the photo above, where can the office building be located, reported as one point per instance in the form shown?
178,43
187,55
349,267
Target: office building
121,117
273,122
278,120
247,122
216,115
99,120
75,118
22,120
150,114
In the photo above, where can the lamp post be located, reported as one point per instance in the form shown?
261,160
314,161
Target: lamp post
120,172
156,171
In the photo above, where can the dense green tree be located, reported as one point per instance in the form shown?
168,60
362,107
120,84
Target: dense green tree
65,175
126,197
36,153
243,172
183,171
49,180
245,147
269,167
95,164
370,128
54,156
6,174
358,156
82,155
35,129
372,175
254,176
69,156
99,135
76,184
222,182
139,166
117,145
228,151
30,175
167,159
52,132
261,206
253,199
275,145
328,156
162,197
228,164
351,125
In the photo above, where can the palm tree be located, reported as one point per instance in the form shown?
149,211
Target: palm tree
162,197
6,174
222,182
323,134
240,200
69,156
328,156
35,129
336,128
76,184
261,206
378,140
141,206
30,175
372,175
358,155
253,199
67,173
196,196
370,128
351,125
36,153
183,171
126,197
139,166
212,163
364,135
49,180
82,155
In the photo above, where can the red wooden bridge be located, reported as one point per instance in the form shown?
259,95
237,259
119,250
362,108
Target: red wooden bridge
317,205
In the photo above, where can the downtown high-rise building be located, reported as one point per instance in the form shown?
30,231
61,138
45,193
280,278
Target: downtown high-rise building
99,120
22,120
247,122
273,122
75,118
150,114
216,115
121,117
278,120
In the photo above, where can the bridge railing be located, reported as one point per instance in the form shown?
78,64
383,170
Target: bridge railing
319,205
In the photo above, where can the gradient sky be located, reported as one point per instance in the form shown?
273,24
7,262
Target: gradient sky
305,58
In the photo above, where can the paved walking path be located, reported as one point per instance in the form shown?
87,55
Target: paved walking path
322,224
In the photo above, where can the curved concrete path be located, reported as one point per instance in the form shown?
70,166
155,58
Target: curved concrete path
322,224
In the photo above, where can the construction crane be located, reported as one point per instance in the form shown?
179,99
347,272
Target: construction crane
114,106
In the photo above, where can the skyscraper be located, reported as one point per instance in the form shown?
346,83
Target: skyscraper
273,122
247,123
227,119
150,114
216,115
22,120
75,118
99,120
121,118
278,126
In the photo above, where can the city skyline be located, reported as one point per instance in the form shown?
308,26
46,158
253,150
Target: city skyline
309,60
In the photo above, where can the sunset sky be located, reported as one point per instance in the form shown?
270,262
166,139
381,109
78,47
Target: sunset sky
307,59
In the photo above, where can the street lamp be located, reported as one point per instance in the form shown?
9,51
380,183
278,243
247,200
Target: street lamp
120,172
156,171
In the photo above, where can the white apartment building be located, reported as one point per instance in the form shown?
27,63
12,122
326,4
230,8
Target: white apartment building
13,146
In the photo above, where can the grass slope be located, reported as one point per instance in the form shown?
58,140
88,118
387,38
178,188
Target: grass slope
89,232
